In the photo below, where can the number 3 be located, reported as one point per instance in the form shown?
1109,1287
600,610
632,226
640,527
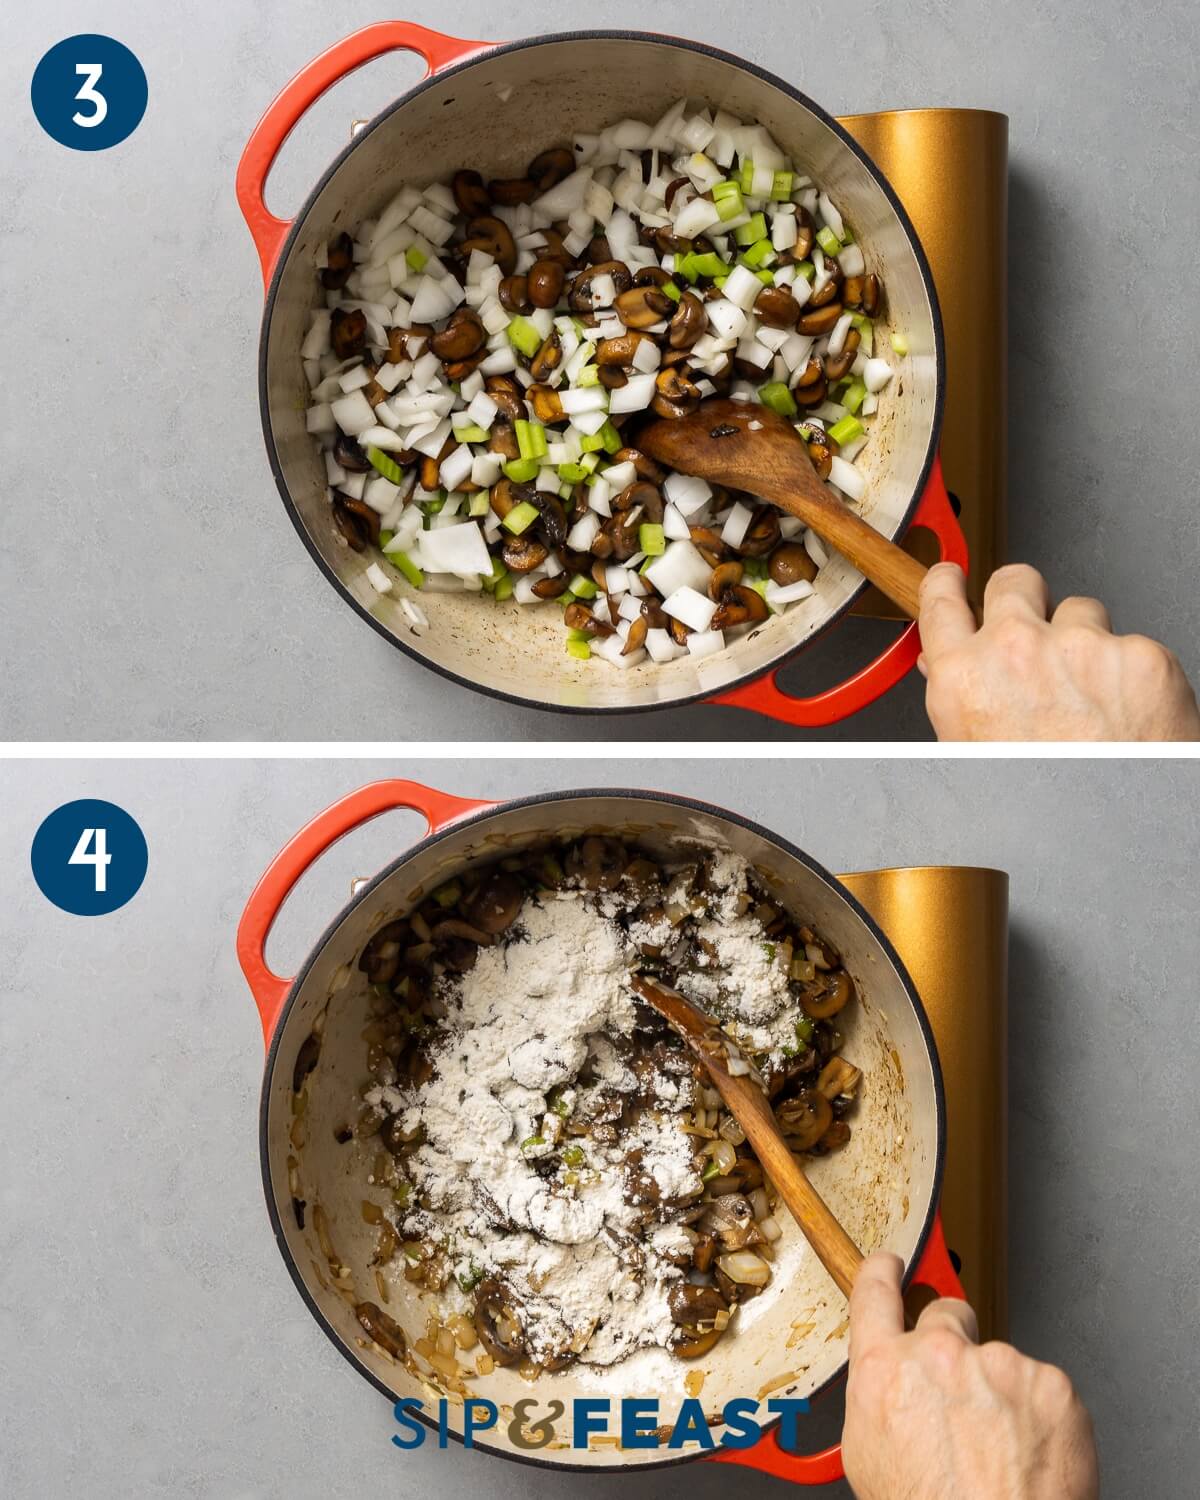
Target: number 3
100,858
88,94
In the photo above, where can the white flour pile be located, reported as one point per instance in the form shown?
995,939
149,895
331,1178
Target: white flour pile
522,1023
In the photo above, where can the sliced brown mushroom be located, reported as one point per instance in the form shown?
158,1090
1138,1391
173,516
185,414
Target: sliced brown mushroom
579,298
506,393
380,960
463,335
510,192
339,263
381,1329
691,1305
688,323
739,606
545,280
820,320
548,168
494,238
763,535
348,332
494,906
675,393
356,521
469,193
804,1119
620,349
776,307
521,554
643,306
513,293
548,358
731,1219
646,467
790,563
694,1348
834,995
497,1322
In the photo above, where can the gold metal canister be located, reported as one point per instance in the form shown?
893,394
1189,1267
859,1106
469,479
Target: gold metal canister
949,925
949,167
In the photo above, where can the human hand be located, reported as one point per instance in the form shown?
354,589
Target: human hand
932,1415
1028,675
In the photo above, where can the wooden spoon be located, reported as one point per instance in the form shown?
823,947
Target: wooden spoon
715,442
751,1108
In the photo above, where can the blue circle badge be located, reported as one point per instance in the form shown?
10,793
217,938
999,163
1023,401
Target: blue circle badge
89,857
89,92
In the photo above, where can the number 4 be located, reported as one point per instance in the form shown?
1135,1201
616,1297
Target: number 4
99,857
87,93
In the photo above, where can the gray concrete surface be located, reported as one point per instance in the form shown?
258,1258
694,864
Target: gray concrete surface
151,1343
151,585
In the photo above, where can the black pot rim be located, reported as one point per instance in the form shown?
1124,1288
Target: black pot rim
502,49
481,816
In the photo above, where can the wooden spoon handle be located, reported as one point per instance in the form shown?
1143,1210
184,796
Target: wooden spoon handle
837,1252
888,566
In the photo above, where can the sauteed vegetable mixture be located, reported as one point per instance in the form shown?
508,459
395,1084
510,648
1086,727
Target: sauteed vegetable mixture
563,1181
488,351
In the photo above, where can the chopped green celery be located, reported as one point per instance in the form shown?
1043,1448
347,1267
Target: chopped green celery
531,438
434,507
565,598
759,585
776,395
766,277
859,320
573,473
448,894
648,564
805,1029
471,434
590,442
385,537
588,377
409,568
710,264
710,1171
854,397
553,873
685,266
806,269
754,567
900,344
746,176
590,462
580,650
520,518
652,540
504,588
479,506
579,635
727,199
469,1280
573,1155
524,336
753,230
498,572
759,255
781,187
610,439
416,258
769,951
719,282
846,430
828,241
559,1105
521,470
532,1140
669,289
383,463
582,586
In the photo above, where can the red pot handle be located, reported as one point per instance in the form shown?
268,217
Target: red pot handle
304,90
765,696
934,1270
268,989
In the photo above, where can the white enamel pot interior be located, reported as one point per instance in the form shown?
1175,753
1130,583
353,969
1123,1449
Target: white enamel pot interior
789,1341
560,86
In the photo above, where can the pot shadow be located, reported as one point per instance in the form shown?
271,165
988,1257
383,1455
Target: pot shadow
1032,299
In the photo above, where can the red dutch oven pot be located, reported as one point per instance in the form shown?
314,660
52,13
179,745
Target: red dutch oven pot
789,1343
472,108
